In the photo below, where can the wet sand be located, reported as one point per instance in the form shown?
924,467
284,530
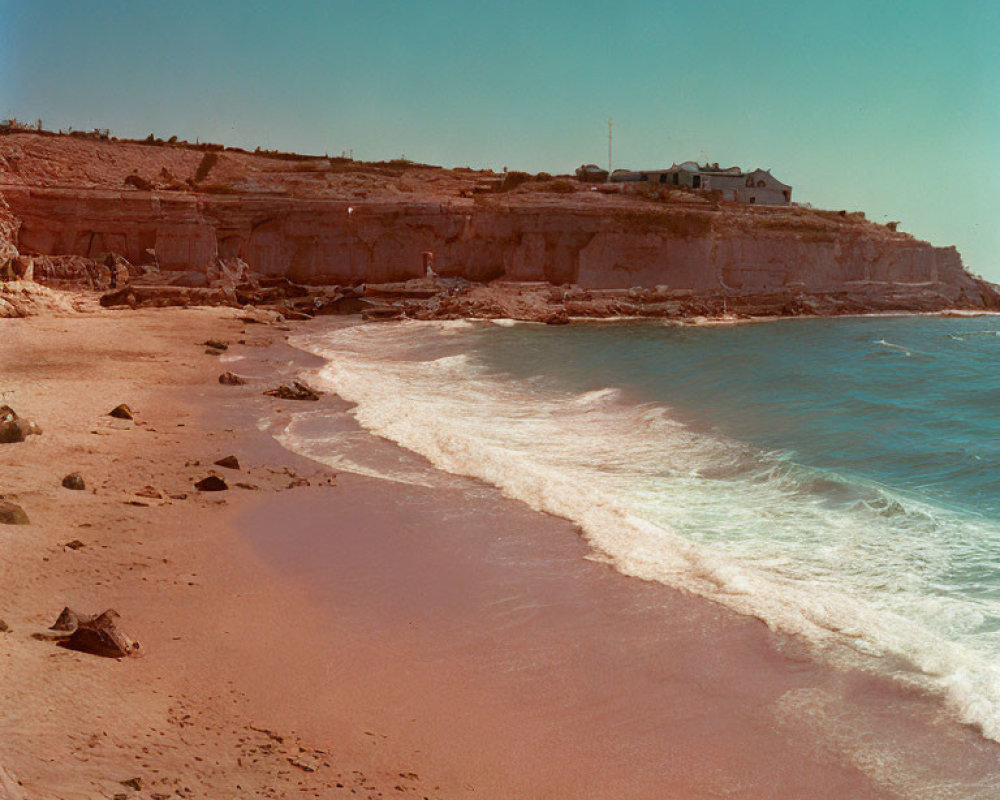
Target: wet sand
370,638
482,638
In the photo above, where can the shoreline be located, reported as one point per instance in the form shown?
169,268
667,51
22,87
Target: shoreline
928,707
399,657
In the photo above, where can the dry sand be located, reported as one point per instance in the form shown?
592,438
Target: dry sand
187,587
354,637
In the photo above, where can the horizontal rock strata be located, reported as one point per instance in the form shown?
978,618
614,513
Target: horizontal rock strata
592,240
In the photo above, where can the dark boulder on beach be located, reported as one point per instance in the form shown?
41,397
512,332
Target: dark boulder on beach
11,431
74,481
121,411
99,634
12,514
229,462
14,428
211,483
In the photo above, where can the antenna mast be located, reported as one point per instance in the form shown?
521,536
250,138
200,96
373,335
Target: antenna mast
609,145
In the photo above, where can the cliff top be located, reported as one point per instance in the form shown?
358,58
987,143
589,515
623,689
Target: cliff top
63,161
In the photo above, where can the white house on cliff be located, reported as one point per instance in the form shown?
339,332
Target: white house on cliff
735,185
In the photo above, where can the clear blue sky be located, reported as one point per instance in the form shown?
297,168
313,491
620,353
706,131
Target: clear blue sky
888,107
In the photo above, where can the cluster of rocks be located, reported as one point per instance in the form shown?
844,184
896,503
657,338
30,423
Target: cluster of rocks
99,634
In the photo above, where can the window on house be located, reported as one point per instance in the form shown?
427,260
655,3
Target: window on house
675,177
696,181
663,177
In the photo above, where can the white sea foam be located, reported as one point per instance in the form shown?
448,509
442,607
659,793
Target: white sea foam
348,448
851,567
892,346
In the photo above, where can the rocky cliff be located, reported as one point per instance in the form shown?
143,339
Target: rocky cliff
9,225
336,221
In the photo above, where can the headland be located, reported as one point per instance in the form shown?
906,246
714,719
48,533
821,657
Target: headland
392,239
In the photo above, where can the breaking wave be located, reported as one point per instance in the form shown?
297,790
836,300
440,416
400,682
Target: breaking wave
865,572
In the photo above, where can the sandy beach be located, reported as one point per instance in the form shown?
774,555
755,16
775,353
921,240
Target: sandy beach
315,635
184,718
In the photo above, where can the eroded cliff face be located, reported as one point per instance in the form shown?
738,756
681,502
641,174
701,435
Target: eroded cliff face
9,225
331,241
331,231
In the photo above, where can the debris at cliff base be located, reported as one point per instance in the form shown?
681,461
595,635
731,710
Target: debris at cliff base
28,299
137,296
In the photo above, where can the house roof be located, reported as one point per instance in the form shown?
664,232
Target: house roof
757,173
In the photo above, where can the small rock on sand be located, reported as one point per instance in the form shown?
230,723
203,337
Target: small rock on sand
296,391
12,514
211,483
4,627
11,432
14,428
74,481
121,411
229,462
231,379
216,344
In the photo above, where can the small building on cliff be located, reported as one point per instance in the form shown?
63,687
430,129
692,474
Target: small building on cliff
591,173
732,183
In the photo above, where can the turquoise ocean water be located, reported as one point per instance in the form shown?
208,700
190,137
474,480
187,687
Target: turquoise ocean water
839,479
